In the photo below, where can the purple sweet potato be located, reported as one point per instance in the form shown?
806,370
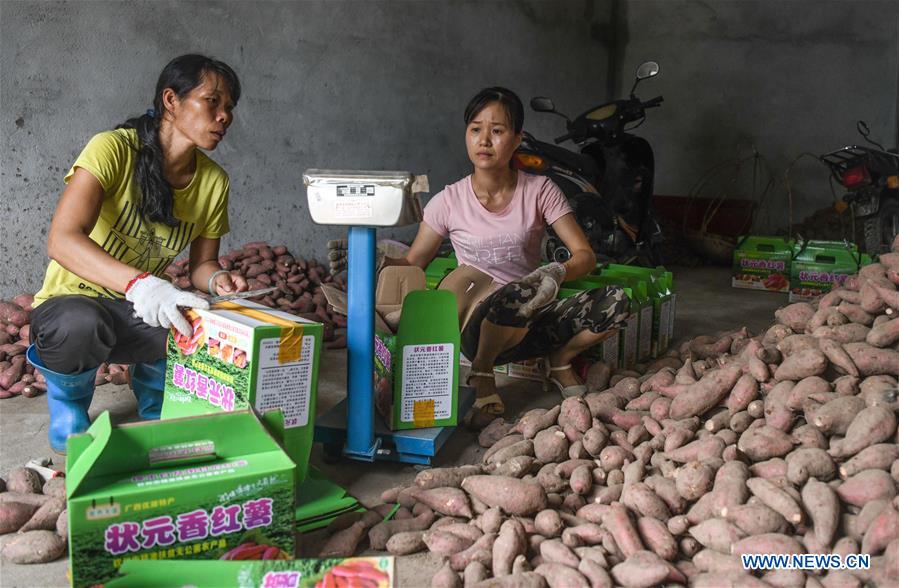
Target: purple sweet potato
870,426
13,515
512,495
823,508
34,547
880,456
866,486
706,393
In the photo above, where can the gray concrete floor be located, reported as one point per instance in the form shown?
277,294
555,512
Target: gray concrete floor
706,303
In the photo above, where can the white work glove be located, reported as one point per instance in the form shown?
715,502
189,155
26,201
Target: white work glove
156,301
545,280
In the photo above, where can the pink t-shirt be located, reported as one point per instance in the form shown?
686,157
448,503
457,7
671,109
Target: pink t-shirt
505,244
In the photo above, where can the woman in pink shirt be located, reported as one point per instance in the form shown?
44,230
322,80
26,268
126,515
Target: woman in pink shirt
496,218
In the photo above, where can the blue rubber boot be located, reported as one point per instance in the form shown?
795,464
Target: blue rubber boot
148,382
68,398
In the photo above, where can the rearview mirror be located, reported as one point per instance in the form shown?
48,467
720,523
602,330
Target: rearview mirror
542,104
647,69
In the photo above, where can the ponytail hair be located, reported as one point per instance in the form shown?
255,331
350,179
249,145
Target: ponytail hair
182,75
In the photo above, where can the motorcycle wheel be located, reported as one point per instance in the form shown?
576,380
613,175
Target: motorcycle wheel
882,228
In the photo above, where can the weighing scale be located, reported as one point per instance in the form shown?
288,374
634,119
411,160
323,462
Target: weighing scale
364,201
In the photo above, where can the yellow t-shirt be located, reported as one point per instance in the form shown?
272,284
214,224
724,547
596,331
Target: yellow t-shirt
202,208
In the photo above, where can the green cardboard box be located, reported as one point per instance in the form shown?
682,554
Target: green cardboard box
192,488
374,572
762,263
244,355
819,266
416,359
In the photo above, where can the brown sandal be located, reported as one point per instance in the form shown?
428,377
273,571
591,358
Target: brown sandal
485,408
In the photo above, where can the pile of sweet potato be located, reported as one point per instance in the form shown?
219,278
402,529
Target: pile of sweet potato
17,376
33,517
298,280
299,292
784,442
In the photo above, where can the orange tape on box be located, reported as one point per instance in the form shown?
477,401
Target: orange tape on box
423,413
291,343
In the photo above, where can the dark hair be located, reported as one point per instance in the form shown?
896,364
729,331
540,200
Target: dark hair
507,98
182,75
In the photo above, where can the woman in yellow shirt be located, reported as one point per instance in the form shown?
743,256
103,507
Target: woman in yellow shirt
135,198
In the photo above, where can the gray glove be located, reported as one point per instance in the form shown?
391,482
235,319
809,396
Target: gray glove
546,281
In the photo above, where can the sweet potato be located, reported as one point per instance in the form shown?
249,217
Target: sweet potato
879,456
445,477
474,573
12,374
801,365
34,547
13,314
834,417
13,515
694,479
856,314
764,442
512,495
805,463
507,448
642,500
884,335
406,542
706,393
511,542
797,343
446,577
519,580
755,519
575,412
823,508
619,524
496,430
838,356
881,531
777,412
656,536
795,316
379,533
869,427
480,551
804,388
767,543
775,498
848,333
872,361
697,450
447,501
866,486
551,445
46,516
24,480
641,570
445,544
536,420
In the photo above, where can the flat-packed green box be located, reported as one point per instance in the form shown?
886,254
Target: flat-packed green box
370,572
762,263
819,266
192,488
245,355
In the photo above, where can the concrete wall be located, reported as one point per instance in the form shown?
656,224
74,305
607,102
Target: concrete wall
364,85
383,85
788,77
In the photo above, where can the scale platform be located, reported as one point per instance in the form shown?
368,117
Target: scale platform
415,446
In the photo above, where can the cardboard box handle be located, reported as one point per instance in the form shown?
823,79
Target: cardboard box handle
182,453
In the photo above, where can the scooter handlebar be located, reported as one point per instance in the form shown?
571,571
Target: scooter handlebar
654,102
563,138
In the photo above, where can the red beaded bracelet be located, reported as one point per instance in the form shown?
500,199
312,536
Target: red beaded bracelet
135,279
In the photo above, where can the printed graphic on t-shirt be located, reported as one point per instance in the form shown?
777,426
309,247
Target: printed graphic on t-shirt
140,245
493,249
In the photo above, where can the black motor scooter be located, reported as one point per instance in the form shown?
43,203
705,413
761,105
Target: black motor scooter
871,177
609,182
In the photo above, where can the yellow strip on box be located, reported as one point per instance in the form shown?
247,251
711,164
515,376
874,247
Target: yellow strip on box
291,343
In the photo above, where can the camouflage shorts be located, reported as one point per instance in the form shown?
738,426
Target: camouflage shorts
596,310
